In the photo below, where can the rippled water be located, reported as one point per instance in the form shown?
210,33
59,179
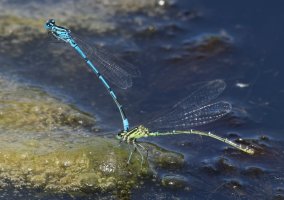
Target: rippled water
178,46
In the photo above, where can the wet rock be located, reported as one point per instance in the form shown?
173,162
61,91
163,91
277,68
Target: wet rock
264,138
200,48
174,181
174,58
16,30
233,135
45,144
233,185
278,197
131,6
24,28
76,168
166,47
147,31
279,189
163,158
253,171
207,45
25,21
239,116
208,166
209,169
218,166
31,109
225,166
189,14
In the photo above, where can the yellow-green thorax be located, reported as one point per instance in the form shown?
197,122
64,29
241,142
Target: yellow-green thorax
135,133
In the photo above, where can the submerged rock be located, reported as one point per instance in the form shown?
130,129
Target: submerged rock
207,45
174,181
45,144
96,165
31,109
25,21
164,159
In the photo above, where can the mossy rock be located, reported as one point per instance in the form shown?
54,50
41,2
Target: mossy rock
47,144
31,109
97,165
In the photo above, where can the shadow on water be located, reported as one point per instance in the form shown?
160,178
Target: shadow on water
178,46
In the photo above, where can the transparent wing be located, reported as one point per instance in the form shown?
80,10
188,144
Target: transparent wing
191,118
201,96
195,109
116,70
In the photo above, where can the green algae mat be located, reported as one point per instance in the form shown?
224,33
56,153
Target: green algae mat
45,143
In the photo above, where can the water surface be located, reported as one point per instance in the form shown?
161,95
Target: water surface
178,46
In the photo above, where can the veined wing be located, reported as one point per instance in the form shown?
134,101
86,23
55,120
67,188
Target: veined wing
194,109
190,118
116,70
201,96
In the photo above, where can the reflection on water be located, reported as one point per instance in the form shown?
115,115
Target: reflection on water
178,45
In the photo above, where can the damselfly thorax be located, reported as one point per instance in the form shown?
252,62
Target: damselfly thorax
133,134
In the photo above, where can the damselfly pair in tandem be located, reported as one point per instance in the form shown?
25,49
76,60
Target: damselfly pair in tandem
195,110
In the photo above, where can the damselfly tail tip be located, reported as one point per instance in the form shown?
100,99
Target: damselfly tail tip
250,151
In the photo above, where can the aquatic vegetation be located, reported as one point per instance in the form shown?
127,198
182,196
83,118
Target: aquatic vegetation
31,109
44,143
25,21
174,181
179,45
95,165
24,27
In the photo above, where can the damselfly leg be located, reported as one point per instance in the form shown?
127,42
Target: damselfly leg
139,148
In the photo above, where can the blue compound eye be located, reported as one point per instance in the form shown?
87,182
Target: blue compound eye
50,22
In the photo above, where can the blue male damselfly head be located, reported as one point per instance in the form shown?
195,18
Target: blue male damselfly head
49,24
58,32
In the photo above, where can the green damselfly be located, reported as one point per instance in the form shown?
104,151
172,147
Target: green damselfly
194,110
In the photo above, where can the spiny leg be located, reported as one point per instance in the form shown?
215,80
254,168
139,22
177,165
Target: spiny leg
145,149
141,154
130,155
119,143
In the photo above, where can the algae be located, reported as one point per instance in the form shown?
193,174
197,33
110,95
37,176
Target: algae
31,109
96,165
25,21
46,144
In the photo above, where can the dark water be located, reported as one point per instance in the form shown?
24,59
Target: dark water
248,51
